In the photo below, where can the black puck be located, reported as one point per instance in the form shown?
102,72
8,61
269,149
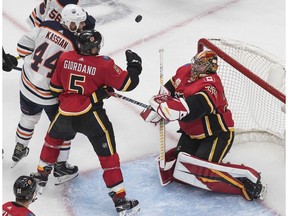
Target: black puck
138,18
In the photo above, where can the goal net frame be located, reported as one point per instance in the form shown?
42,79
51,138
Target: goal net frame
258,79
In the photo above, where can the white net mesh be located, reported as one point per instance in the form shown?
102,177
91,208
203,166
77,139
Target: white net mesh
253,108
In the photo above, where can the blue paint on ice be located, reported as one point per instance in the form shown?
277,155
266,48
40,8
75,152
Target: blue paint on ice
89,196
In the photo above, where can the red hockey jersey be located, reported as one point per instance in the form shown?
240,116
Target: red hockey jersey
77,76
14,209
211,88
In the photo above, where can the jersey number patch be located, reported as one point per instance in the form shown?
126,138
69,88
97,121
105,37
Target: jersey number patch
48,63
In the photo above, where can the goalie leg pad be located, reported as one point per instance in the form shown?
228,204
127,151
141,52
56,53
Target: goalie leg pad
166,174
225,178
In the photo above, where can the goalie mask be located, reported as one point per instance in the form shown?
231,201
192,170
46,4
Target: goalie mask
73,13
88,40
25,188
204,63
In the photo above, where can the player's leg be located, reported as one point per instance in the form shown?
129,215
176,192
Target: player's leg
214,148
59,130
63,171
31,113
101,135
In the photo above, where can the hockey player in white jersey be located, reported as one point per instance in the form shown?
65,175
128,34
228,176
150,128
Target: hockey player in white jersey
51,10
40,49
45,11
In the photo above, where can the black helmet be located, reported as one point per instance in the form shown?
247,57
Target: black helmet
24,188
89,39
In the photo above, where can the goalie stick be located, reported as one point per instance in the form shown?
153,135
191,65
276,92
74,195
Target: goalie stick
162,122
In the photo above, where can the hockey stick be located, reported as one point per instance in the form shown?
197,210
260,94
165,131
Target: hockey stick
162,122
116,95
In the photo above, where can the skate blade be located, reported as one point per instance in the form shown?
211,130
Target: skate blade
14,164
66,178
39,189
131,212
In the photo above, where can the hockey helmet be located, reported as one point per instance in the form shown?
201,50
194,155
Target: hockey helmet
73,13
204,62
88,40
24,188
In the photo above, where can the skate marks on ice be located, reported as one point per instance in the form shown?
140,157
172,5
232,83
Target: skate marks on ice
89,196
105,11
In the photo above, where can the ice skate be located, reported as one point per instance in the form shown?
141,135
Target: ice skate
19,152
125,207
41,177
64,172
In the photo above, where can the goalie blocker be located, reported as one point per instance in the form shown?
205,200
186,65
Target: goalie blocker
224,178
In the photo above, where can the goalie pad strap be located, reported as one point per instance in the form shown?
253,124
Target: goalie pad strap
212,176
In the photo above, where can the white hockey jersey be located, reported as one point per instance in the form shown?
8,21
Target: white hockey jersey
40,49
48,10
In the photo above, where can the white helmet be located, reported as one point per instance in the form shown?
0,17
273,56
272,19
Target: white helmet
73,13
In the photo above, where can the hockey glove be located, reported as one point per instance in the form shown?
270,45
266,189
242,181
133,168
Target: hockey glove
134,62
169,108
149,115
101,94
9,62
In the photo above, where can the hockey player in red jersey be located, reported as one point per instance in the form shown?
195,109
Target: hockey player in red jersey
195,98
41,47
81,81
25,193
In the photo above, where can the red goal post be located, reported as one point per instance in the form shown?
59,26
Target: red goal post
254,83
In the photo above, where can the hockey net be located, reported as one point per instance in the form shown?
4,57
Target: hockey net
254,83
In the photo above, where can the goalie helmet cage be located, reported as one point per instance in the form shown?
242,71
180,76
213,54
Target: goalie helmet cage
256,105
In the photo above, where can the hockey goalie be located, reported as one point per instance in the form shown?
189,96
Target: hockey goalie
195,98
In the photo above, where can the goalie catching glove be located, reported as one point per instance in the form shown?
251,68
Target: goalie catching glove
169,108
